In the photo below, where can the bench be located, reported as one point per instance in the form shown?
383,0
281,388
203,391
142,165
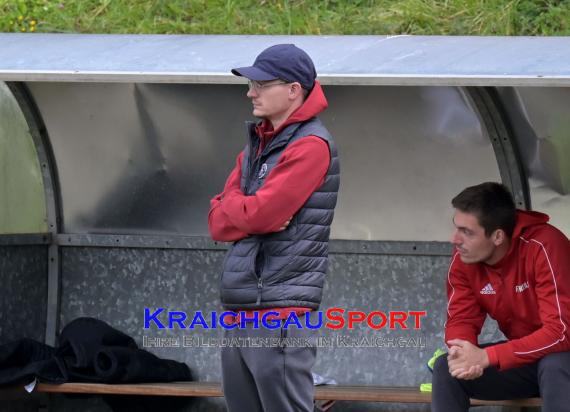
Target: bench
365,393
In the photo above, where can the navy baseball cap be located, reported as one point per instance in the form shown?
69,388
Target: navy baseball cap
282,61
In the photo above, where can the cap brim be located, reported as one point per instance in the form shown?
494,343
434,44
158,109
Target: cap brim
253,73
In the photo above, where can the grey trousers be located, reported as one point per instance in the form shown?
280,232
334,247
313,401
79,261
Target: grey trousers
548,378
269,379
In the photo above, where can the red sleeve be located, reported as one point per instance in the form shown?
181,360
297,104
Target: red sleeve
552,271
220,227
465,317
299,172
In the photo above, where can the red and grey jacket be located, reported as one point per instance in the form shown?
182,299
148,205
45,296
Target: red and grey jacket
527,293
300,171
289,172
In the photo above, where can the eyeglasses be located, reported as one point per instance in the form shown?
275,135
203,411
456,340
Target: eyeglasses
258,86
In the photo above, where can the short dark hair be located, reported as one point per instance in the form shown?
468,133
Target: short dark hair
491,203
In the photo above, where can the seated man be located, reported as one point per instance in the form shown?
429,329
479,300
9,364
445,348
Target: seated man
515,267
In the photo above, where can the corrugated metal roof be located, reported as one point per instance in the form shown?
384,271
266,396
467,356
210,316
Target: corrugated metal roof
368,60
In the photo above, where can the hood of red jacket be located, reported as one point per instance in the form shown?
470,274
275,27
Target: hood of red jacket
526,219
315,103
525,222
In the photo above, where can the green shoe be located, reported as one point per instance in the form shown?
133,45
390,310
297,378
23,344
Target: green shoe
438,352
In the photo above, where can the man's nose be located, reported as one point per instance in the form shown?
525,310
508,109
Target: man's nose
251,92
455,239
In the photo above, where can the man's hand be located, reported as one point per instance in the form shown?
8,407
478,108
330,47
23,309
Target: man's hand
465,360
284,225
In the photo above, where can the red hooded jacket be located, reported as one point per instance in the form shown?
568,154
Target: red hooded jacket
527,293
300,171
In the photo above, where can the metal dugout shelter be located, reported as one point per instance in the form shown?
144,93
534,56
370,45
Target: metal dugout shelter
112,145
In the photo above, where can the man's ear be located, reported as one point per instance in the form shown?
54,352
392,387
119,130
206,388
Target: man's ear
296,90
499,237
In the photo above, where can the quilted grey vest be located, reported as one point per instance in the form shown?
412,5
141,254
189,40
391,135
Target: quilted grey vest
287,268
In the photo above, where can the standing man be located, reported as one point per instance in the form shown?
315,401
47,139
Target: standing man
277,207
515,267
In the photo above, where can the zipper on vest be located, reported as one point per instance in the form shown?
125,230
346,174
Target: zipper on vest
252,173
251,159
259,287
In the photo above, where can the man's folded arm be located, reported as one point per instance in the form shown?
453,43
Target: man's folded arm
298,173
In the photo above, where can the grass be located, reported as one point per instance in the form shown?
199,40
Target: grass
445,17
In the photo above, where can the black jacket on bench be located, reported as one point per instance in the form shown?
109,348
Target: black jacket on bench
89,350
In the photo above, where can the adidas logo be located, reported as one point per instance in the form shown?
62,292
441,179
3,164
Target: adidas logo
488,290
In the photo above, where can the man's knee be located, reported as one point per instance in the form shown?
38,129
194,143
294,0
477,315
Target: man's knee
554,365
554,380
441,364
441,369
